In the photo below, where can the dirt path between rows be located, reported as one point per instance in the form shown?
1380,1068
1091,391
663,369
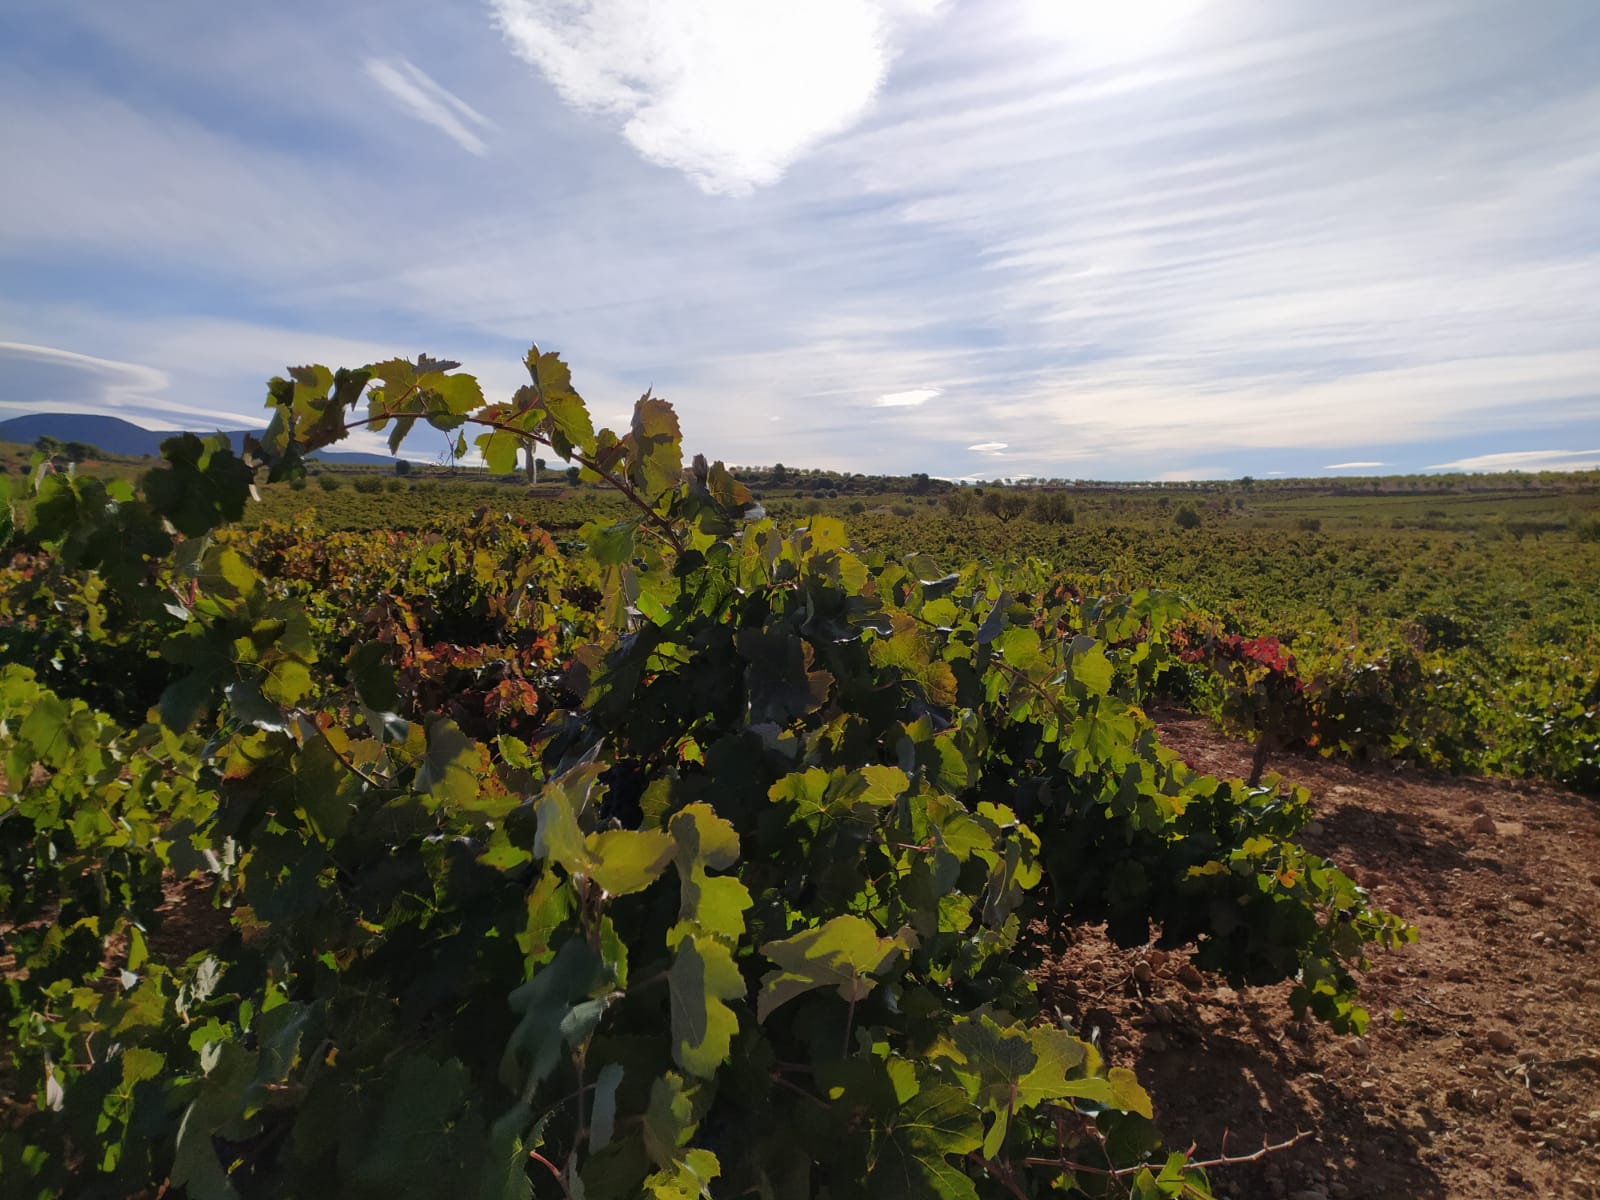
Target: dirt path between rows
1479,1075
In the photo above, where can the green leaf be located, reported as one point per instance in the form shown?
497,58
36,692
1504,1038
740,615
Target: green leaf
566,423
286,680
373,677
620,861
655,449
1090,666
993,1062
623,861
202,486
451,765
779,679
703,975
1119,1090
911,1158
545,1002
686,1179
1058,1054
711,904
500,449
669,1120
458,393
843,954
139,1064
603,1117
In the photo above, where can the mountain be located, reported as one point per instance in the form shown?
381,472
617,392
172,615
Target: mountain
113,435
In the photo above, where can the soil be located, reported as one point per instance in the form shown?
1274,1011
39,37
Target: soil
1479,1075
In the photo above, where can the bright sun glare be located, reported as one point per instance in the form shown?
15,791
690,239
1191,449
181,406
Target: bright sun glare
1110,28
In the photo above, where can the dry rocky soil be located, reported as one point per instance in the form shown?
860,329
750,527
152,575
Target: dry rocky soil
1479,1075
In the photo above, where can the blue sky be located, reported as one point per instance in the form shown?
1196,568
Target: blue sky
982,238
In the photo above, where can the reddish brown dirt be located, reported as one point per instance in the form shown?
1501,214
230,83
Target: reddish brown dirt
1479,1075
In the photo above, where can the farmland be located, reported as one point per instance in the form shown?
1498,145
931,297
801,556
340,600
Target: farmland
679,830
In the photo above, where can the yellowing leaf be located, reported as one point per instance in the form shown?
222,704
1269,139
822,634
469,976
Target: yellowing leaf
703,975
623,861
842,954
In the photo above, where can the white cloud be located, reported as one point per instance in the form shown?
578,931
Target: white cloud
730,92
1185,474
1353,466
911,399
425,100
1526,460
988,447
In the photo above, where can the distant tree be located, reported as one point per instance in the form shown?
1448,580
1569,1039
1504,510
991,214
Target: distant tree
47,445
920,483
1052,508
572,476
959,503
1006,506
780,473
1186,518
402,466
80,451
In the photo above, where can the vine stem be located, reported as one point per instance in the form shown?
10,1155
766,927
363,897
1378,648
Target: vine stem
660,525
553,1169
1000,1174
350,766
778,1079
1223,1159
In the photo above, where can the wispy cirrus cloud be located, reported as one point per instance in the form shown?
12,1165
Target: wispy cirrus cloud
1525,460
417,93
1354,466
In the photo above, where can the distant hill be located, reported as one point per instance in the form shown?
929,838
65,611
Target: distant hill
113,435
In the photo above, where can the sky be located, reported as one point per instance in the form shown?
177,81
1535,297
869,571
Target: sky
1103,239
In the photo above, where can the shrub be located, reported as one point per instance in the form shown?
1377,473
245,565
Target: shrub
1051,508
959,502
1186,518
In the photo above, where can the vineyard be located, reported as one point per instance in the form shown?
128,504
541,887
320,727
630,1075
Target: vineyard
671,845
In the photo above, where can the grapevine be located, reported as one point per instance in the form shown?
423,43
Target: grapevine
699,863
